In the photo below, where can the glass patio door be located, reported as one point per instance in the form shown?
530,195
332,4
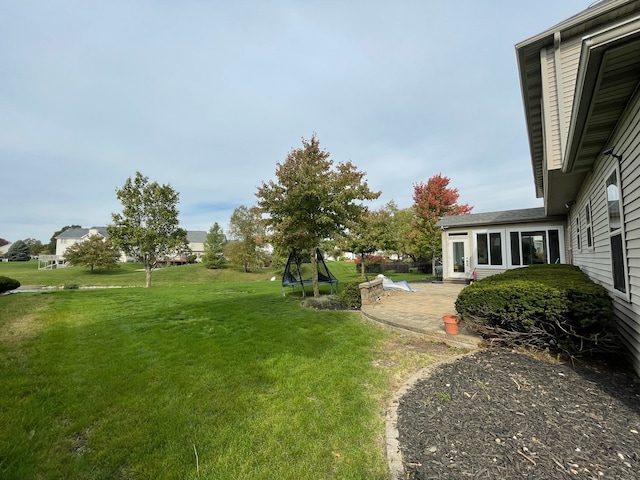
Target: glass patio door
458,257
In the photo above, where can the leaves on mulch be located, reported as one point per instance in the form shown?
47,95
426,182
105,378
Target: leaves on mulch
502,414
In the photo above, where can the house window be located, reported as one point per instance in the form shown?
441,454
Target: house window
495,241
489,247
554,246
515,248
614,209
587,225
535,247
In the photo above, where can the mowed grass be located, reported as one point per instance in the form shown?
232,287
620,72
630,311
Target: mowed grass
200,379
133,275
127,274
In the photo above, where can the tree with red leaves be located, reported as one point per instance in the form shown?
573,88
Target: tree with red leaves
431,202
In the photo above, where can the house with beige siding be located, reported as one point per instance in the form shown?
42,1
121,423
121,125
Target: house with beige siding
69,237
580,82
196,240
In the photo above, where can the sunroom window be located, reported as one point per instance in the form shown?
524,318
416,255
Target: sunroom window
489,247
535,247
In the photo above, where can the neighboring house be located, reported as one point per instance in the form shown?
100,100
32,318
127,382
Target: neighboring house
72,236
196,239
482,244
4,249
65,240
580,84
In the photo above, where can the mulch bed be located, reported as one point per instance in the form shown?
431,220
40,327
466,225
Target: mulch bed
498,414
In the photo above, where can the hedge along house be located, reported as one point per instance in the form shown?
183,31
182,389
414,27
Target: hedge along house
478,245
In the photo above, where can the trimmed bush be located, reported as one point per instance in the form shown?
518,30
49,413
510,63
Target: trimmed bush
545,306
349,296
7,284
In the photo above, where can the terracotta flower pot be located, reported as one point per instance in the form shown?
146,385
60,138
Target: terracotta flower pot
451,324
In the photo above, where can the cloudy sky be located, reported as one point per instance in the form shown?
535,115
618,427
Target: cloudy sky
208,95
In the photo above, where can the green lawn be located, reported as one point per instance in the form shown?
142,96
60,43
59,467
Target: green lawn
132,274
208,374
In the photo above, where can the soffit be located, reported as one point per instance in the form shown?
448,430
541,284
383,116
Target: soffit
610,80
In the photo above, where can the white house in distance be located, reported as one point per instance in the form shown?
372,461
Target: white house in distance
72,236
196,239
580,83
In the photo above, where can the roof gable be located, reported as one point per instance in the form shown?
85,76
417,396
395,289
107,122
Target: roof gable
196,236
77,233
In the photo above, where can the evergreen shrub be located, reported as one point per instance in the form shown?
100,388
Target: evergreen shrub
7,284
349,296
550,306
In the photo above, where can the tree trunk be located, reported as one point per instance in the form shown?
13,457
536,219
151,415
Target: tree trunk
147,269
362,269
314,273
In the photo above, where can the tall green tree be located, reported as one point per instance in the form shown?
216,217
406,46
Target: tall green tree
148,227
18,252
35,246
400,230
313,200
369,235
214,248
432,201
247,231
51,246
94,252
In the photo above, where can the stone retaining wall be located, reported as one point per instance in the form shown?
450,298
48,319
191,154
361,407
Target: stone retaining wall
371,291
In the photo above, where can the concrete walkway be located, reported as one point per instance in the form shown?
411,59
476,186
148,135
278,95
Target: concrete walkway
421,312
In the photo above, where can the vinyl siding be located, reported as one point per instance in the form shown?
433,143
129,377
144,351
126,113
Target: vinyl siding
559,73
597,263
551,122
569,54
485,272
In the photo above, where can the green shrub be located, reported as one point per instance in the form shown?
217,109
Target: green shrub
7,284
550,306
349,296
